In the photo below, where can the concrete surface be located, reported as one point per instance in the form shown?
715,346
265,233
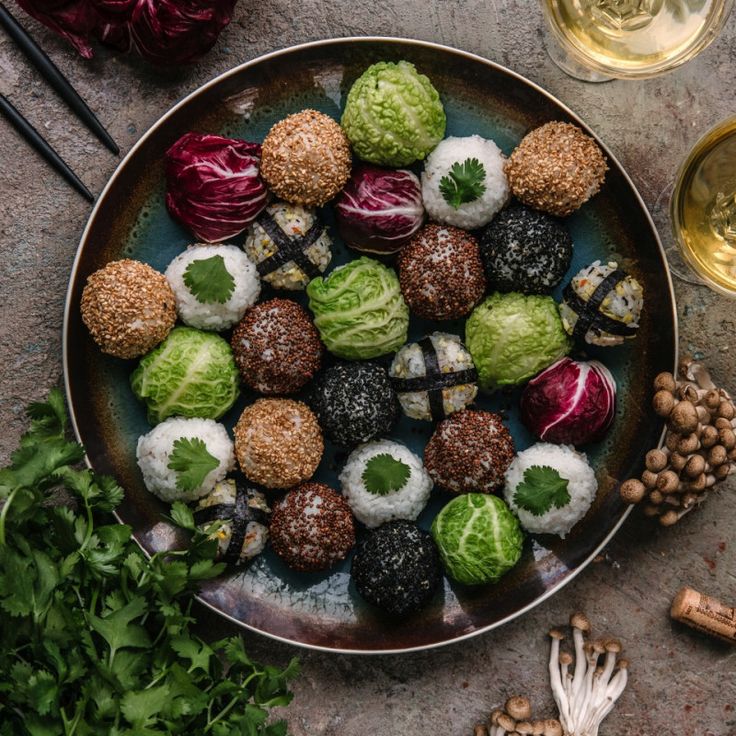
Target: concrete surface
681,683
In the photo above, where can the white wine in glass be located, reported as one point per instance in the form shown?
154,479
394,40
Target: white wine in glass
703,208
600,39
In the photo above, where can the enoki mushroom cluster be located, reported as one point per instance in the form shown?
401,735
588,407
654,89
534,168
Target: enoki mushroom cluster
699,449
585,687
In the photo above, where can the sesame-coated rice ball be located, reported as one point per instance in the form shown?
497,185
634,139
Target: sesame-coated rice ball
305,158
312,528
354,402
397,568
525,250
556,168
469,452
276,347
441,273
128,308
278,443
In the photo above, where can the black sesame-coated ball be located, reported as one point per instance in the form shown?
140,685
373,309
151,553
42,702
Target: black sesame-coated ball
525,250
397,568
354,402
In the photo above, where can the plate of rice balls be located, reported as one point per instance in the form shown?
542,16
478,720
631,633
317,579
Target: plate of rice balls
383,315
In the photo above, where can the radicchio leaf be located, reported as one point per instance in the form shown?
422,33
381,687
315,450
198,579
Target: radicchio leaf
165,32
571,402
380,210
172,32
73,20
214,186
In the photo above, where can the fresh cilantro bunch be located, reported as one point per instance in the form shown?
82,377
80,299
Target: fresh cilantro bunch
96,638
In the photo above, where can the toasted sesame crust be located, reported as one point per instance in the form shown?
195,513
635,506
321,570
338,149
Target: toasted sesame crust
128,307
305,158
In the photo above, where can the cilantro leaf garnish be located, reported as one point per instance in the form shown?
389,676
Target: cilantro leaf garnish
209,280
192,462
385,474
465,182
542,488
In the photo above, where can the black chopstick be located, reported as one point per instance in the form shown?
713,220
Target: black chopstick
37,141
55,78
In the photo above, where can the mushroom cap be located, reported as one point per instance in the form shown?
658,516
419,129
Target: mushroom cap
717,455
480,730
726,409
663,403
525,728
519,707
622,664
506,722
656,460
566,659
665,381
688,443
580,621
694,466
669,518
556,634
649,479
552,727
632,491
613,645
493,718
684,417
667,481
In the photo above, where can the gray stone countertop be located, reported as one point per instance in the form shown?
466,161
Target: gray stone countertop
682,684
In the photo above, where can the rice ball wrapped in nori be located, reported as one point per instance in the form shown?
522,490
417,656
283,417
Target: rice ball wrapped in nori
384,480
213,285
243,515
602,305
289,244
434,377
354,402
550,488
183,459
397,568
312,528
525,250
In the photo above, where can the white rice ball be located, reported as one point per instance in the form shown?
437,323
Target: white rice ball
214,315
479,212
571,465
367,465
155,449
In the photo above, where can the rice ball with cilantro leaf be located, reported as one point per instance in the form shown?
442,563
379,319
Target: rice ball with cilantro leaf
213,285
550,488
183,459
463,183
384,480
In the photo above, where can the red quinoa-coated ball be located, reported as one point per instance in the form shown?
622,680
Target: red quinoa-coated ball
469,452
312,528
276,347
441,273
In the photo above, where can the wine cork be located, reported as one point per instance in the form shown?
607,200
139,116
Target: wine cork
705,614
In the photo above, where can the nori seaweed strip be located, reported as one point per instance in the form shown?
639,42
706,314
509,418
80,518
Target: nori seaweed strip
289,249
432,368
589,314
426,383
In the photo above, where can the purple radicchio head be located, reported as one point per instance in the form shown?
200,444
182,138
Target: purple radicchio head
380,209
571,402
214,186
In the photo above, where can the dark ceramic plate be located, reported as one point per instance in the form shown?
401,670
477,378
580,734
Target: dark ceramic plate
130,219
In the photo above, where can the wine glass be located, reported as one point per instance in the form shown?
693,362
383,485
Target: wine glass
703,208
596,40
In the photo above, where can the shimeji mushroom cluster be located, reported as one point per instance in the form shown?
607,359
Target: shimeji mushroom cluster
699,449
585,687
